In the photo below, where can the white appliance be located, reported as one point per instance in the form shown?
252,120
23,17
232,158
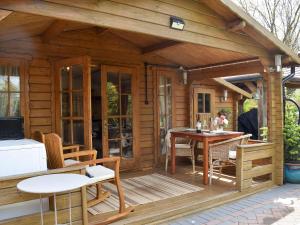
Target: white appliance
22,156
19,157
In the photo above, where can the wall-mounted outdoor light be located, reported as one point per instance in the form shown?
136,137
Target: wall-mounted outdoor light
278,63
176,23
225,96
184,73
184,77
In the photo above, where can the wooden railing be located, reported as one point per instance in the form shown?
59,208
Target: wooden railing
10,195
255,165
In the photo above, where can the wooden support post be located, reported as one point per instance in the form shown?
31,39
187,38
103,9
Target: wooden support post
275,122
239,169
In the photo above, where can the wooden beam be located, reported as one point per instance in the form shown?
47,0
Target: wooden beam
160,46
4,14
233,70
224,64
232,87
251,86
237,25
57,27
121,16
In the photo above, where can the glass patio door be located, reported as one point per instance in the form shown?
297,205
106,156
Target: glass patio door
165,108
119,120
165,103
73,106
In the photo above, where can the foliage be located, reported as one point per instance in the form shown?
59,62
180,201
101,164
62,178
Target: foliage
291,133
249,104
280,17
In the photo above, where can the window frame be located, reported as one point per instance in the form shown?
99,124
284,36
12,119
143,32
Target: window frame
194,105
24,89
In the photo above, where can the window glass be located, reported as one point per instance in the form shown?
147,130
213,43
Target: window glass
64,82
200,103
4,104
77,75
77,104
165,107
9,91
207,103
125,83
14,105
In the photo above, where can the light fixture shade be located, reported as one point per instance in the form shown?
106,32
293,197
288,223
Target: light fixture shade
278,63
184,76
176,23
225,94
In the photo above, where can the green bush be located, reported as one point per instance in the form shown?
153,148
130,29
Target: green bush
291,134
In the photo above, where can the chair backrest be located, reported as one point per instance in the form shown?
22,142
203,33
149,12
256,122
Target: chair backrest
168,135
54,150
39,136
220,150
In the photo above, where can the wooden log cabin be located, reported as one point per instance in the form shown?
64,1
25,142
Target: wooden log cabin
114,76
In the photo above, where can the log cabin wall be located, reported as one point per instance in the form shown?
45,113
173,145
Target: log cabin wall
103,49
67,45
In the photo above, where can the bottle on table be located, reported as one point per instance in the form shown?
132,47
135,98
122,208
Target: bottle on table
198,125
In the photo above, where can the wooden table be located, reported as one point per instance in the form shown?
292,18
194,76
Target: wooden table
206,139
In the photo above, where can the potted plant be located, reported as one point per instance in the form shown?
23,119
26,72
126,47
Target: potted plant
292,145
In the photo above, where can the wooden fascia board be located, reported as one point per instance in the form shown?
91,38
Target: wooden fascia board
91,13
57,27
232,87
260,29
160,46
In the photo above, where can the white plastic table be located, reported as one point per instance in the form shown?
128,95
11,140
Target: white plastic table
53,184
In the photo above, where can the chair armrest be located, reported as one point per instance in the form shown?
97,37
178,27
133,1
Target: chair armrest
70,147
115,160
81,153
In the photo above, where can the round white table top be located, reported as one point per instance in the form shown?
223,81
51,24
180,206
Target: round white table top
53,183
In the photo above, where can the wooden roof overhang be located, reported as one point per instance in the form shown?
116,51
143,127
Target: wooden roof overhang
207,39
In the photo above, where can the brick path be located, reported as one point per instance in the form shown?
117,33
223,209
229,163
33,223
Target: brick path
278,206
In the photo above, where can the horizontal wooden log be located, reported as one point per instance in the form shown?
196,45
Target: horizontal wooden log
258,171
253,155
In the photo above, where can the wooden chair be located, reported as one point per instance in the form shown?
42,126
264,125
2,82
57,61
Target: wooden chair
183,146
98,174
40,137
223,153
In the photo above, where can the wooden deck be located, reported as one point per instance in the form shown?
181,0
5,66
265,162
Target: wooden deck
160,210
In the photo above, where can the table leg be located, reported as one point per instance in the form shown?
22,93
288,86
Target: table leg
55,209
205,161
41,208
173,154
70,208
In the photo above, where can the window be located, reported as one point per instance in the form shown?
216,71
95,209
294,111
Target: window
10,91
204,103
71,94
